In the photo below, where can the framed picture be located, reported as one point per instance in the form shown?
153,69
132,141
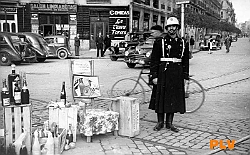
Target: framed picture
86,86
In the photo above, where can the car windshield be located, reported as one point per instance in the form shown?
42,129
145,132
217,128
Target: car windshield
15,39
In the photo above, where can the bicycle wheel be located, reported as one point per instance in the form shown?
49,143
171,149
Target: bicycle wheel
128,87
194,95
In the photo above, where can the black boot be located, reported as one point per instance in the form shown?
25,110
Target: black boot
160,124
169,122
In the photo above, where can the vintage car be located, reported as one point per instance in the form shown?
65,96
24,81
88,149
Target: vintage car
216,43
118,50
39,44
58,46
35,42
13,49
140,54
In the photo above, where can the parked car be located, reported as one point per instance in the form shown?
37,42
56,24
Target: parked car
13,49
58,46
216,44
140,54
32,40
38,44
118,50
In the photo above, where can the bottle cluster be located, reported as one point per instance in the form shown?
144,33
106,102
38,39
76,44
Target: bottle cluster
15,90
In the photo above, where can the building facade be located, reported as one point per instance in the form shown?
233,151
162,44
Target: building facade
85,17
117,18
8,15
227,12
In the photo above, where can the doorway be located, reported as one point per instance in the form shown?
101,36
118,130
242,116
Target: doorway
95,29
47,30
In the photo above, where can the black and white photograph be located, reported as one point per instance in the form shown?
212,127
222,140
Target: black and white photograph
125,77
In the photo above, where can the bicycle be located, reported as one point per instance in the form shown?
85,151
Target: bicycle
194,92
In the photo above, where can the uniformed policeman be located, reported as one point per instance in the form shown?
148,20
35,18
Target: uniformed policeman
168,68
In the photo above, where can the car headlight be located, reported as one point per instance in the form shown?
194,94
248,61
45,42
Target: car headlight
126,53
148,54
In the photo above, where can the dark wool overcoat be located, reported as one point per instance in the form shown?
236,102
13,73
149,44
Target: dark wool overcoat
168,95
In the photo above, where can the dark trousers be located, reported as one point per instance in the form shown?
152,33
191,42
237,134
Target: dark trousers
76,50
106,47
99,48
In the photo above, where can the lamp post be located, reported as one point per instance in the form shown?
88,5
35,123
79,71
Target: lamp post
182,3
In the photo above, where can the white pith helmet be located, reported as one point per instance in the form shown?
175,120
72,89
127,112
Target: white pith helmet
172,21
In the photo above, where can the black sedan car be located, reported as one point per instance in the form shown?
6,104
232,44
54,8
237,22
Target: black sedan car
13,49
140,54
38,44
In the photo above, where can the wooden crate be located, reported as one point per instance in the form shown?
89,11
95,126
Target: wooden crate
16,118
63,117
128,109
59,142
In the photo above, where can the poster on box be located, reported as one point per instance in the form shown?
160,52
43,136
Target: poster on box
81,67
86,86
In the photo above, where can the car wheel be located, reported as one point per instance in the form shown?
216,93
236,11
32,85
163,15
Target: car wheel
5,60
113,58
62,54
41,59
131,65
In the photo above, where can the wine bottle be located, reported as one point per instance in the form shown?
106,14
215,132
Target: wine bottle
63,93
5,94
17,94
12,78
36,146
69,135
25,93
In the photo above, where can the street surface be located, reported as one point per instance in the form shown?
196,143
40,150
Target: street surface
225,114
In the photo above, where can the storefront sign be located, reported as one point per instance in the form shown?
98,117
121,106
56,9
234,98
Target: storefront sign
11,10
53,7
119,20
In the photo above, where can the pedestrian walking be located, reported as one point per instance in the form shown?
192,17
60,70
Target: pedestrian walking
191,41
227,43
210,42
107,43
99,44
168,68
77,45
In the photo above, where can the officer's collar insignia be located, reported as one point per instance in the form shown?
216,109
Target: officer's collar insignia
169,46
176,39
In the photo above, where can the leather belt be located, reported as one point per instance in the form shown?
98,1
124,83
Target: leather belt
171,59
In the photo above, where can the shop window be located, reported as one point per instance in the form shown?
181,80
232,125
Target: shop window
7,17
163,6
13,27
136,17
146,22
155,19
6,27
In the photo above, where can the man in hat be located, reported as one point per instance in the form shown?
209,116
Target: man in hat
168,68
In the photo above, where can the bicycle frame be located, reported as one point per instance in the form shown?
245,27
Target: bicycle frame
140,77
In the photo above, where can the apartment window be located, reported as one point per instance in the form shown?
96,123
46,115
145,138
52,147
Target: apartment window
163,6
169,8
156,4
147,2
